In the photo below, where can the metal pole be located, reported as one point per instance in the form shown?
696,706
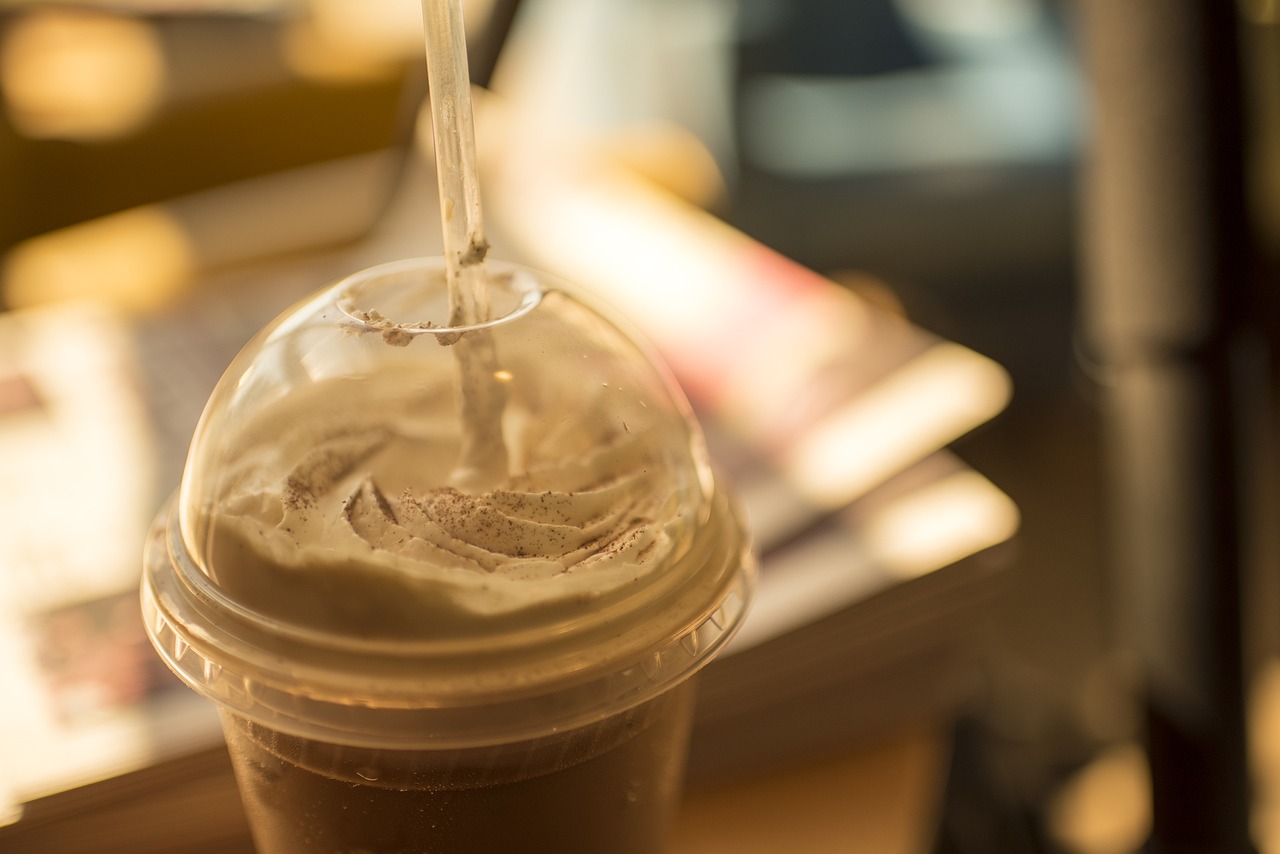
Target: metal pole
1166,312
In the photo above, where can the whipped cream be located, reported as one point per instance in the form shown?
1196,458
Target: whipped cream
363,495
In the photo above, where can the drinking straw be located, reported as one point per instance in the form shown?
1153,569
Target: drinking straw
482,462
455,145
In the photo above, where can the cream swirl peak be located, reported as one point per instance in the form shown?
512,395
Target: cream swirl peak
543,522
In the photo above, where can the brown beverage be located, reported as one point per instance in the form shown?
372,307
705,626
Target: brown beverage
607,787
415,655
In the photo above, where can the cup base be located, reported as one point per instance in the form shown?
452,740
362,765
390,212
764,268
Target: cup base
611,786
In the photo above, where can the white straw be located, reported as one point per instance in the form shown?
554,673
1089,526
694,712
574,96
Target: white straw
454,133
482,462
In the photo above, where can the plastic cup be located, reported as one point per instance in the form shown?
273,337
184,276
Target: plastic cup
406,660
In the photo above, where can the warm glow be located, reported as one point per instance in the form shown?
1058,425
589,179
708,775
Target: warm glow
942,394
138,259
669,275
353,40
81,475
672,158
1106,807
1264,731
924,530
80,75
940,524
1265,12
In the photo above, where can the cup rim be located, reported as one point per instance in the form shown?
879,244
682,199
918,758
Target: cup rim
245,669
527,288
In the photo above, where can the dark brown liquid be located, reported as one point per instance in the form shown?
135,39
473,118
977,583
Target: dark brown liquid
609,788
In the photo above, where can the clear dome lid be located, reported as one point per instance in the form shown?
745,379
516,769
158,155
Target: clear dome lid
376,502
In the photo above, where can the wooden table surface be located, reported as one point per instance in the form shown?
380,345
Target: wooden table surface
881,798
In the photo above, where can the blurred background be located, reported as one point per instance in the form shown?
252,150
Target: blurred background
173,174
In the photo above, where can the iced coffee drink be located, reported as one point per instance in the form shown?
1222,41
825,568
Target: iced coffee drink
432,626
